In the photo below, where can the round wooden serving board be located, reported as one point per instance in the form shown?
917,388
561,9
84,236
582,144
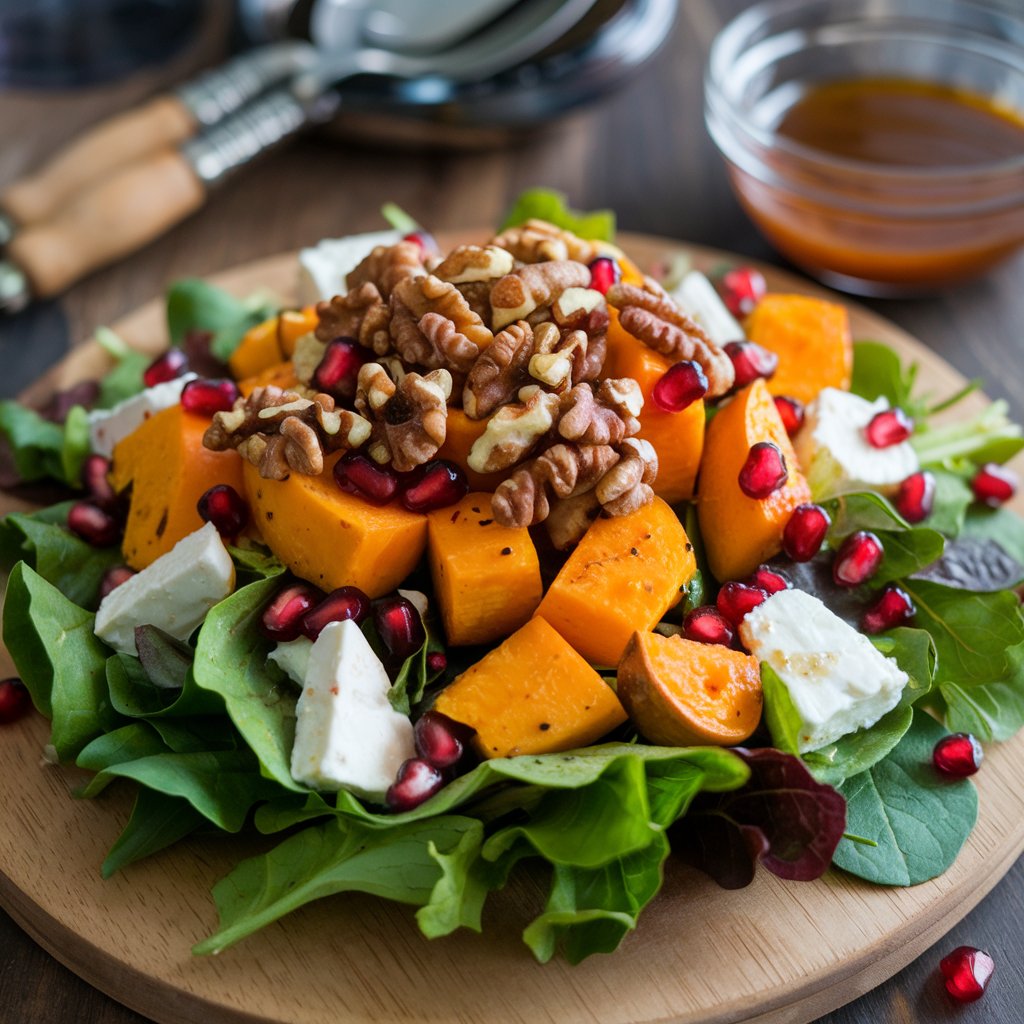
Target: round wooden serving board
774,953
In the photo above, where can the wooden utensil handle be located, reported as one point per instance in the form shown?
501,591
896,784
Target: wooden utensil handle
113,144
108,221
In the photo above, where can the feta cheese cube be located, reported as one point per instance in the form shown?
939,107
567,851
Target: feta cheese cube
174,593
108,426
347,735
838,681
324,266
697,297
835,455
292,657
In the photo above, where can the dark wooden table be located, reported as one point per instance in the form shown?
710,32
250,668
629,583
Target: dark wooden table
645,154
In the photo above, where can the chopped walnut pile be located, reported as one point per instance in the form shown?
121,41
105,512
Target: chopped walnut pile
281,431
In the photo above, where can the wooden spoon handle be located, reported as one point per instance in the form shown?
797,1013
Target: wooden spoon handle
102,151
108,221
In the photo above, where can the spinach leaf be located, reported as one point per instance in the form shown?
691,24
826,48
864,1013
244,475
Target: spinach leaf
918,818
255,563
59,659
999,524
128,743
879,373
124,379
952,499
860,750
914,651
36,444
989,711
546,204
780,713
197,305
457,899
157,821
75,445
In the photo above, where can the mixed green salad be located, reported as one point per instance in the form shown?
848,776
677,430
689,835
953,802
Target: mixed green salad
204,728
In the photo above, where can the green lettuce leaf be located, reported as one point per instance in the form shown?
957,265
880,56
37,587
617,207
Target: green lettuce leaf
546,204
196,305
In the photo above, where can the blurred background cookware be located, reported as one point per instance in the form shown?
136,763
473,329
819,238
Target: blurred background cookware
444,73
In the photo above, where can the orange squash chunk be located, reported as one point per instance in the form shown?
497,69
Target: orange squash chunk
678,437
486,576
679,693
280,375
623,576
331,538
270,342
461,433
532,695
812,340
168,469
741,532
293,324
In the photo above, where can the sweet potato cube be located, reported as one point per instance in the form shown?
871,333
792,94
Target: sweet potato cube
623,576
486,576
168,469
678,437
532,695
460,436
740,532
812,340
679,693
331,538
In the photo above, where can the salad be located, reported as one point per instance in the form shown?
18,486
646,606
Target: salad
514,553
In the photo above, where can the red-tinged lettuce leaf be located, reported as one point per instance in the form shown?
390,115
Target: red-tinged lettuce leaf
781,818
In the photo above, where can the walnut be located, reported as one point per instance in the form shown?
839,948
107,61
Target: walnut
513,431
626,487
518,294
282,431
361,314
558,357
652,316
581,308
562,471
431,295
592,362
471,263
478,297
570,518
500,371
450,348
309,353
605,416
537,241
409,418
387,265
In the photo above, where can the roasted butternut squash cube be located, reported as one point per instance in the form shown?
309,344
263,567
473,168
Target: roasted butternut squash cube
280,375
623,576
331,538
486,576
532,695
459,438
270,342
168,469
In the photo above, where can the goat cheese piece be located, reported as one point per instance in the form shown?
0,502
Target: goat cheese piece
108,426
838,681
174,593
834,453
292,657
324,266
347,735
698,298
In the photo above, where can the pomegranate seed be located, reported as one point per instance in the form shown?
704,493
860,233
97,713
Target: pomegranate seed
764,472
994,484
857,559
791,412
736,600
424,239
96,481
223,506
399,625
14,700
205,397
356,474
750,361
604,272
440,740
281,620
338,605
417,780
434,485
742,289
681,385
113,578
173,363
916,496
958,755
805,531
889,427
337,372
770,580
707,625
93,524
437,662
966,972
892,609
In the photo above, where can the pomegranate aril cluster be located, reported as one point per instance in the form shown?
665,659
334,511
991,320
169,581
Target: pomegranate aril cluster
434,485
339,605
994,485
805,531
764,471
358,474
707,625
338,371
206,397
399,626
173,363
791,411
892,608
604,272
736,600
858,559
889,427
96,481
966,973
742,289
417,781
113,578
94,525
916,496
750,361
681,385
223,506
957,755
282,618
440,740
14,700
770,580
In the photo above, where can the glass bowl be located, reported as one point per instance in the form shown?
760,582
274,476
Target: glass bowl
864,227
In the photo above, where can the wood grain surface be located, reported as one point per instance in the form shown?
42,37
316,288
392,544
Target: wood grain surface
645,153
774,953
